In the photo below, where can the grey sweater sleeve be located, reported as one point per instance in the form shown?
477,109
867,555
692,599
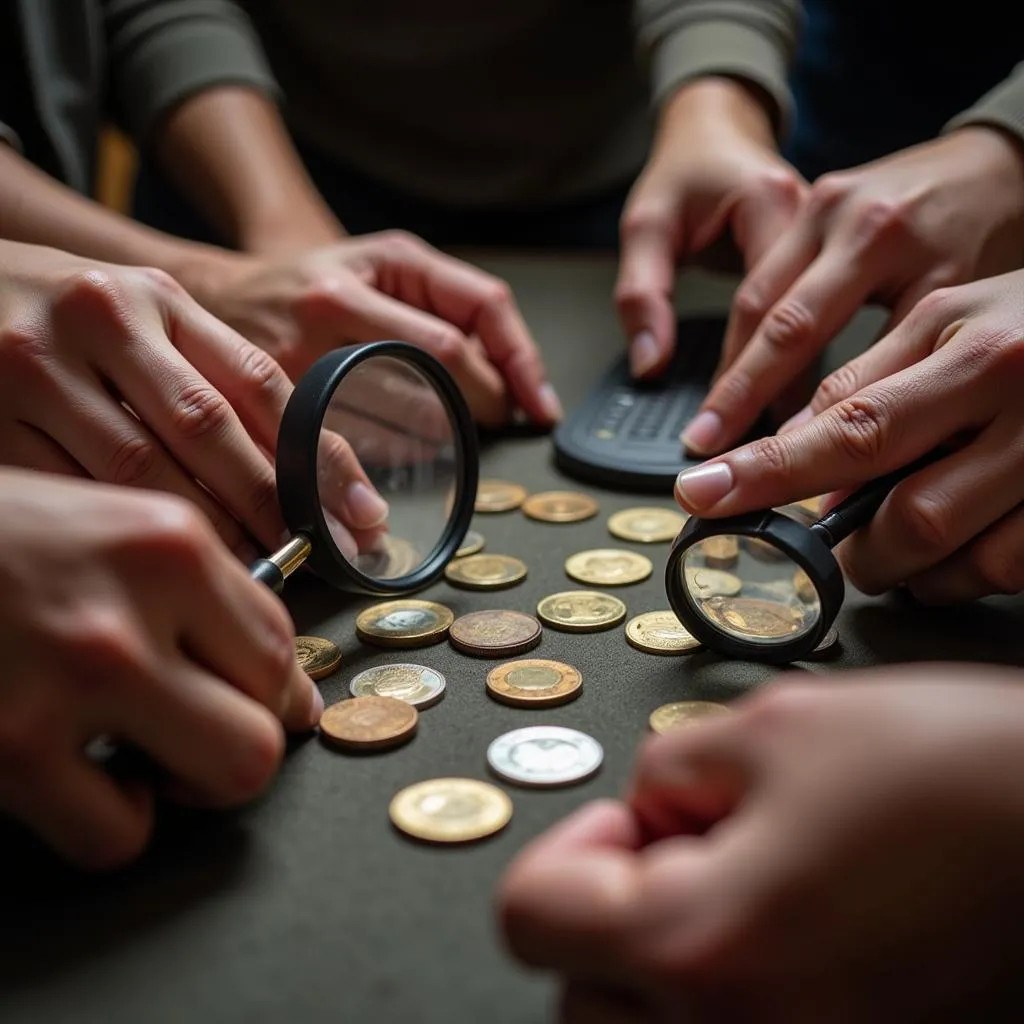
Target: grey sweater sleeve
750,39
1002,106
161,52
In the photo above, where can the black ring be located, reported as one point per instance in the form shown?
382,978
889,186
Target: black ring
297,480
798,543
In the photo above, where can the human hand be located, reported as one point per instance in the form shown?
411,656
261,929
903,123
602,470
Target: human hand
122,615
951,374
115,373
842,854
388,286
714,166
939,214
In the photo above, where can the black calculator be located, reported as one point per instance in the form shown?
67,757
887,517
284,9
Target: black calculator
626,433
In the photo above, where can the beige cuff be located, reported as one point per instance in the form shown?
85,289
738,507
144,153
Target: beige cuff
1002,106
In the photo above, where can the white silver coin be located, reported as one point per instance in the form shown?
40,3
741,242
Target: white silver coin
545,755
415,684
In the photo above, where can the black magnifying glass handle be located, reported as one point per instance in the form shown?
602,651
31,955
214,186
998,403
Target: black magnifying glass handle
857,510
276,568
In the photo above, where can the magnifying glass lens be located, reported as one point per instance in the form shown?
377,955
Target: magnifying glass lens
387,465
749,589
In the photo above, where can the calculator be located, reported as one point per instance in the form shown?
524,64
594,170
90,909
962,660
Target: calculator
625,434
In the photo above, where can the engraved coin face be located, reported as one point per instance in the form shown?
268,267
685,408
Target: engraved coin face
534,682
391,558
369,723
581,611
404,623
316,656
608,567
754,617
451,810
560,507
485,572
683,713
660,633
498,496
704,583
495,634
647,525
545,755
415,684
472,544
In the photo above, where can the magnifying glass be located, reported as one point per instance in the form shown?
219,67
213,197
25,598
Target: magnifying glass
765,586
380,419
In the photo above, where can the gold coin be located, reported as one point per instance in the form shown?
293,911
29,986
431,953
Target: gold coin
485,572
763,551
705,583
560,507
495,634
534,682
316,656
404,623
369,723
720,552
805,589
415,684
608,567
581,611
450,810
391,558
498,496
753,616
685,713
660,633
647,525
472,544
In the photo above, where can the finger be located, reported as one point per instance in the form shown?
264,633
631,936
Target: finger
584,1003
992,563
785,343
645,286
883,427
84,814
931,515
766,216
23,446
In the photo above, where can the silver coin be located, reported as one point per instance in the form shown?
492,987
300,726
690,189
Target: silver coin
828,641
545,755
415,684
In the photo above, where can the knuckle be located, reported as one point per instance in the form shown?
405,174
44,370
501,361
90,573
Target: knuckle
174,530
839,384
780,187
23,350
263,497
258,371
788,326
104,648
133,461
642,219
750,302
860,426
925,516
160,282
828,192
446,343
999,567
497,294
401,242
879,219
95,290
200,412
937,305
774,456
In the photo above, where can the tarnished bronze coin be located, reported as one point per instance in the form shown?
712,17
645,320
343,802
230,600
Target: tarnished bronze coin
472,544
369,723
534,682
721,552
647,525
581,611
608,567
753,616
451,810
683,713
404,623
660,633
498,496
485,572
560,507
495,634
317,657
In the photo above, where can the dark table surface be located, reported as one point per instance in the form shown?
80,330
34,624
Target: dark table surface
308,907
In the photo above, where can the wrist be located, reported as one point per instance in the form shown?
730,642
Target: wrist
720,103
284,232
997,153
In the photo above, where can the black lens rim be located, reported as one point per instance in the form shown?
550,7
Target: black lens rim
297,479
799,543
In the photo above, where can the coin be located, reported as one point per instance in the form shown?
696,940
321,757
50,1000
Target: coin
685,713
369,723
485,572
805,589
704,583
608,567
405,623
545,755
560,507
415,684
646,525
391,558
495,634
720,552
660,633
534,682
498,496
316,656
581,611
828,642
763,551
753,616
472,543
450,810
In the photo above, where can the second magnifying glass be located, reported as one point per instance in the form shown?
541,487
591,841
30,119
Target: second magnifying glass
377,471
765,586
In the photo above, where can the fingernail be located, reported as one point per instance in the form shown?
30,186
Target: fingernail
550,402
364,506
643,353
702,433
700,488
798,420
317,708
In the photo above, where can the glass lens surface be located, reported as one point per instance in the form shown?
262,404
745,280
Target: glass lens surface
749,589
387,467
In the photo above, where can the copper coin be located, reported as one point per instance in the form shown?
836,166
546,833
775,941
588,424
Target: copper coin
495,634
369,723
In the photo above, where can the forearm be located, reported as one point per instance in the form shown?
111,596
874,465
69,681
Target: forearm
263,202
